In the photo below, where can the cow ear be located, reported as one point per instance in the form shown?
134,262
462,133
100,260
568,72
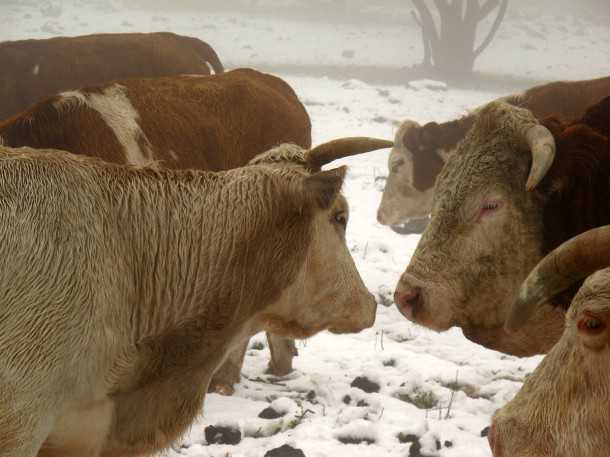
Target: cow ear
430,135
323,187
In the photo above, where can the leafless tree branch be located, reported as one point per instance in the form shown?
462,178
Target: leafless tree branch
494,27
416,18
430,35
487,8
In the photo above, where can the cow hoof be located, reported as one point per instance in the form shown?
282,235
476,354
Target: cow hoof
279,372
222,389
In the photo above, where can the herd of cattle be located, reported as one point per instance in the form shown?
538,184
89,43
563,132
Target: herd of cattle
155,216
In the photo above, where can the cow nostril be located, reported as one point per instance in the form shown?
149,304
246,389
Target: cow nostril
409,298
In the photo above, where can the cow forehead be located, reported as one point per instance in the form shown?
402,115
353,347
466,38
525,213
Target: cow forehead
594,295
483,159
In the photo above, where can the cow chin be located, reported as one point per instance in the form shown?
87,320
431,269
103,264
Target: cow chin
352,327
288,328
432,319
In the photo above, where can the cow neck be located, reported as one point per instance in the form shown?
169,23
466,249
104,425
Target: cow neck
542,331
578,187
206,247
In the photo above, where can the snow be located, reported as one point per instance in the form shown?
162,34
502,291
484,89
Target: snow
439,387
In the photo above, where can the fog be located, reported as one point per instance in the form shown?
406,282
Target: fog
360,68
379,41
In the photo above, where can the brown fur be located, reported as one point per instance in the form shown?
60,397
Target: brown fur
213,123
469,267
424,148
577,182
65,63
139,284
562,408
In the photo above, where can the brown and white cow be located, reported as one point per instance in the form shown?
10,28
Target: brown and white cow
513,190
562,408
31,70
211,123
421,151
119,300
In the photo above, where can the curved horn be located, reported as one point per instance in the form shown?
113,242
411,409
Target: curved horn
542,145
574,260
344,147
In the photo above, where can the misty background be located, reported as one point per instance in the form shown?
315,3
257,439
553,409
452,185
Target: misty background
377,41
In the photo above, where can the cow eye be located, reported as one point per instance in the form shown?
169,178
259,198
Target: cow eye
591,325
488,207
341,219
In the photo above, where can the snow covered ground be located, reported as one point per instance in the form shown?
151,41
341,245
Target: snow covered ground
420,373
439,388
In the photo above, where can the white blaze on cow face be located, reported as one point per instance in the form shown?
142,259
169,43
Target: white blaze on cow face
329,293
116,110
36,70
401,200
562,408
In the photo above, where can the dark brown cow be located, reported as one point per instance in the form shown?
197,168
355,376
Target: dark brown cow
420,152
498,209
211,123
31,70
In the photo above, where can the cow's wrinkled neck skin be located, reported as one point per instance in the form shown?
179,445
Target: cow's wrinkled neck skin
168,224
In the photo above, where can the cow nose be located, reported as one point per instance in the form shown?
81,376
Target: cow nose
408,299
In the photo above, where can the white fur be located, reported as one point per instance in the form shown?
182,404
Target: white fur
68,100
116,110
36,70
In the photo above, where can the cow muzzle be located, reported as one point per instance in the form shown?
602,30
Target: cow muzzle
362,319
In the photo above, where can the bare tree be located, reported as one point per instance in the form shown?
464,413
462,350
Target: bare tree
451,49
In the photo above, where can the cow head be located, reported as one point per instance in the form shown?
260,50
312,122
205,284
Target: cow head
562,409
485,230
417,157
328,293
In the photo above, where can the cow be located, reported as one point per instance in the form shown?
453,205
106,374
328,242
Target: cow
421,151
211,123
120,300
513,190
562,408
31,70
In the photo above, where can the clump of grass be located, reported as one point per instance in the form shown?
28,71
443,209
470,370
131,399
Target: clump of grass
257,346
354,440
389,363
407,438
419,399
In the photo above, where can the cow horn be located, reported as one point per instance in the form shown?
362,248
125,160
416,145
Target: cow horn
574,260
344,147
542,145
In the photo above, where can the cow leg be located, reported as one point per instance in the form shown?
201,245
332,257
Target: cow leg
150,419
82,433
282,351
229,372
24,424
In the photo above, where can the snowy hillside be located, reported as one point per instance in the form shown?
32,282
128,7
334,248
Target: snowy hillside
435,393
